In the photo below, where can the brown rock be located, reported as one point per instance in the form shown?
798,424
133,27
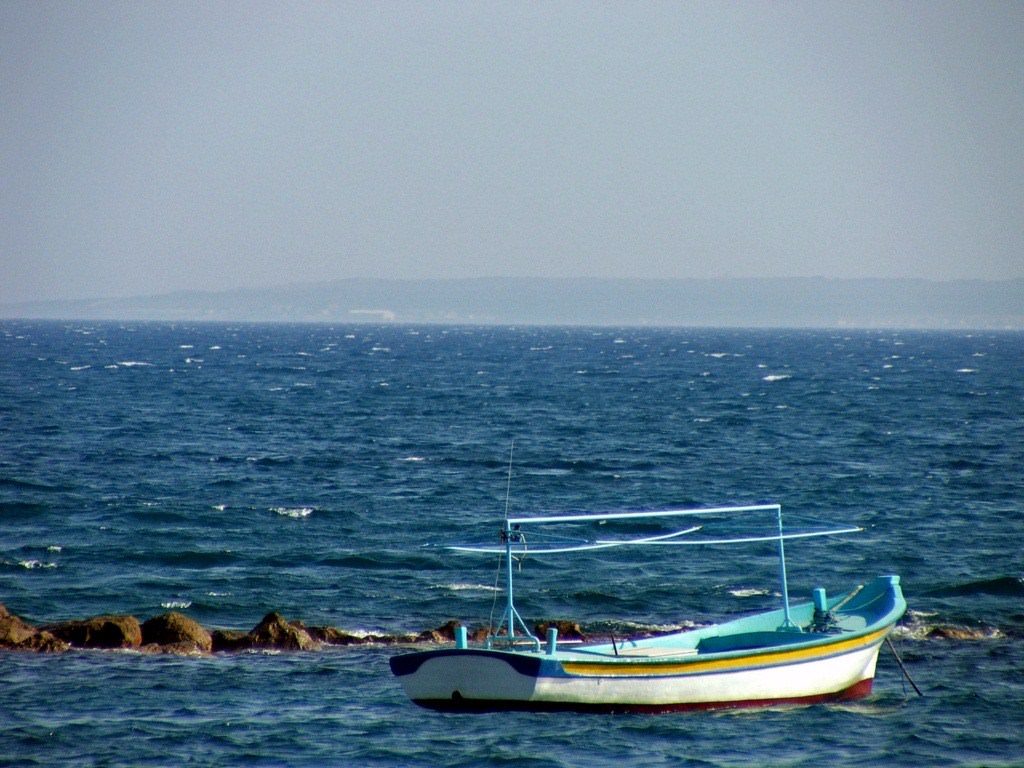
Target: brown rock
16,634
100,632
335,636
185,648
44,642
957,633
443,634
230,640
275,632
13,631
567,630
176,629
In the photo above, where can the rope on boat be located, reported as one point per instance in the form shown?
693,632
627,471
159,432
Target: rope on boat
853,593
903,668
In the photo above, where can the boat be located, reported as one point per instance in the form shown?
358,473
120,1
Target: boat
805,652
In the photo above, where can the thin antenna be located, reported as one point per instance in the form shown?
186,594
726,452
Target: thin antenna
508,488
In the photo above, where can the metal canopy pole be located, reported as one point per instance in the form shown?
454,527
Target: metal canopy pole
511,615
787,622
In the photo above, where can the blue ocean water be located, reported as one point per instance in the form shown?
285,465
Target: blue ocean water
229,470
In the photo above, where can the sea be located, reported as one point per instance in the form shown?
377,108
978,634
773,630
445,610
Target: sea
228,470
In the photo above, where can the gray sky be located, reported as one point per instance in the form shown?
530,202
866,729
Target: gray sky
154,146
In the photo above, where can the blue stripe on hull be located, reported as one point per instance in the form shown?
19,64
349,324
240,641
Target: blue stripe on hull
408,664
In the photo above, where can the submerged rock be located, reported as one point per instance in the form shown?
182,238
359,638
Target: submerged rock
99,632
962,633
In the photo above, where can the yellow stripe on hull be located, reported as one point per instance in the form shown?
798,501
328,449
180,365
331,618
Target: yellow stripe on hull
620,667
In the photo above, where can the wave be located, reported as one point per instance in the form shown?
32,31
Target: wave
926,626
296,513
749,592
634,629
270,461
460,587
197,559
385,562
1005,586
32,565
27,485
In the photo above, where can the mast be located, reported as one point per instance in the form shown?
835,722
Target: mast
510,533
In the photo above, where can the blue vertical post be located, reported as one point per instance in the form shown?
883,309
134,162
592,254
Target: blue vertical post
552,640
787,622
510,610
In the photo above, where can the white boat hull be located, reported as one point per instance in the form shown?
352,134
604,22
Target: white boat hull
497,680
750,661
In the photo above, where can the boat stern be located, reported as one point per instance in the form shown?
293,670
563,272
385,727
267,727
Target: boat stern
457,678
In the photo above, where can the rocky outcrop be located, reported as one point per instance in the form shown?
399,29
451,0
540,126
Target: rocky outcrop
273,632
18,635
99,632
276,632
567,630
335,636
443,634
227,640
176,633
13,631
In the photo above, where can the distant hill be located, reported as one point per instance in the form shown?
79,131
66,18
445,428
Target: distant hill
786,302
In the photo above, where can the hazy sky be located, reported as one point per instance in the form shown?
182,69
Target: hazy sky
154,146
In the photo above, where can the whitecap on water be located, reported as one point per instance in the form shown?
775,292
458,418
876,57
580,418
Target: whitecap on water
293,512
461,587
748,592
34,564
176,604
777,377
